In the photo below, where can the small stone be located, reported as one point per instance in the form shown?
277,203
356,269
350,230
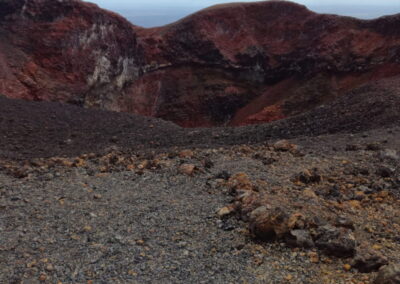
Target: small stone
240,181
284,146
132,273
187,169
186,154
309,176
347,267
385,172
353,147
359,195
334,241
300,238
75,237
42,277
227,210
78,163
309,194
145,164
314,257
389,155
31,264
353,204
208,163
223,175
130,167
248,201
368,260
67,163
389,274
343,221
97,196
373,147
288,277
49,267
87,228
365,189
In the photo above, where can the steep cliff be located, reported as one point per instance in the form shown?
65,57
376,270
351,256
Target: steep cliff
232,64
68,51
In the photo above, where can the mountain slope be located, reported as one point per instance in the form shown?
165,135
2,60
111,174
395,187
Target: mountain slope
234,64
46,129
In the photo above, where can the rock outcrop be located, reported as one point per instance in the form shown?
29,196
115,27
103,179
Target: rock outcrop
232,64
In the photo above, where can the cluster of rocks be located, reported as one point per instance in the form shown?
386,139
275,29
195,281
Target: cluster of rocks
310,219
113,161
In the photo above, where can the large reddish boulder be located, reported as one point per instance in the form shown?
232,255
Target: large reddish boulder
233,64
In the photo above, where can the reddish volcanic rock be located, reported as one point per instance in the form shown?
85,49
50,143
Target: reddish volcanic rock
231,64
67,51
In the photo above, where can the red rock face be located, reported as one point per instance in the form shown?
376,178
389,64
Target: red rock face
233,64
67,51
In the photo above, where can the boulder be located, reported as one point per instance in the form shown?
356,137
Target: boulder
389,274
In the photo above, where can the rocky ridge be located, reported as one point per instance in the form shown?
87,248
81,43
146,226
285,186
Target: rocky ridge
233,64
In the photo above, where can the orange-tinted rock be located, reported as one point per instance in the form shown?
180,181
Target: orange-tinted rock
187,169
230,64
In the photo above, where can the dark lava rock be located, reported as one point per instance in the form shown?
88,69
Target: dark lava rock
300,238
368,260
373,147
343,221
365,189
309,176
385,172
353,147
389,155
389,274
223,175
334,241
207,163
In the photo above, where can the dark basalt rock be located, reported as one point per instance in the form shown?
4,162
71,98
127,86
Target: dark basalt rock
335,241
368,260
389,274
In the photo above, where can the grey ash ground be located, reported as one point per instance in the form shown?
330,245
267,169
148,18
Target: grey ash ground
94,197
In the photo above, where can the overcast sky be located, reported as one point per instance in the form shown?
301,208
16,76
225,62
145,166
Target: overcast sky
150,13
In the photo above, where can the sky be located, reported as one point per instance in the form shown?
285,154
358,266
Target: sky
151,13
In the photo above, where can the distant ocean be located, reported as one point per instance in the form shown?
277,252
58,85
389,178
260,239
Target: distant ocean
154,18
160,17
153,21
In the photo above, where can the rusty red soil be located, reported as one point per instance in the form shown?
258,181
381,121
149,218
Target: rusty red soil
233,64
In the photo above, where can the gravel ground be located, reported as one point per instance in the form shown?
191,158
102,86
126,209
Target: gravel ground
152,223
88,196
156,227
